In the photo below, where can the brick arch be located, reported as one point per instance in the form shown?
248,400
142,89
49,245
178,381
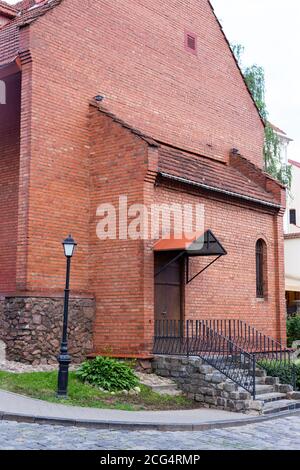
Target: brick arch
264,237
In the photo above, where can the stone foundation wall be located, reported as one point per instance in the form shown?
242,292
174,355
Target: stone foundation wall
205,384
31,328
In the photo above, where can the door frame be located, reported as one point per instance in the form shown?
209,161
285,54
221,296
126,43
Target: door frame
182,274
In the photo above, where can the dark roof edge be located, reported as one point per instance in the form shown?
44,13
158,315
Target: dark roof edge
261,171
292,236
8,10
9,62
149,140
219,190
294,163
157,143
40,11
235,59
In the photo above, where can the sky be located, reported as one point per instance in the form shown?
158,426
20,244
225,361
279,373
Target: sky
269,30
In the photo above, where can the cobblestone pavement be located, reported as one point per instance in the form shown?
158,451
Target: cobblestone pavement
280,434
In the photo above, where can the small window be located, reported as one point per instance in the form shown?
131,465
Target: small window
190,42
261,269
293,217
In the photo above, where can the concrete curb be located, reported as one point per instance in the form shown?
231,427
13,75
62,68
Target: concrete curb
122,425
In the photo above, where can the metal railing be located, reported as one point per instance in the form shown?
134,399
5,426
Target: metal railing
232,346
252,340
195,338
272,356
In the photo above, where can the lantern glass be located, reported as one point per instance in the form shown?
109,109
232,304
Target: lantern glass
69,246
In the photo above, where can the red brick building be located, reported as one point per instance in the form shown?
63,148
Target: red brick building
175,107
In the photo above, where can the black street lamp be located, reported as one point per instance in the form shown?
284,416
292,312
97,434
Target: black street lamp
64,359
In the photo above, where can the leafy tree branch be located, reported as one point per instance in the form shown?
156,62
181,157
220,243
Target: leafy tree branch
255,79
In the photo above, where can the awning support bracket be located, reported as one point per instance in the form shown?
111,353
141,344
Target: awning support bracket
169,263
188,281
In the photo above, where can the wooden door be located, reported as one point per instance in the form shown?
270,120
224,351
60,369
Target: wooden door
169,288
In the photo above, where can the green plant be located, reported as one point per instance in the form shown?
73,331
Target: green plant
43,386
293,329
255,80
108,374
287,372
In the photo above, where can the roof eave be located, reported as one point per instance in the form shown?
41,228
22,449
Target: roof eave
215,189
8,11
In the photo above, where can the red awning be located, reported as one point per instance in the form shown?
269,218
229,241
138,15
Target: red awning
196,244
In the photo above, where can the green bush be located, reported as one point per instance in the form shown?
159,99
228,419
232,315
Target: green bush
108,374
293,329
284,371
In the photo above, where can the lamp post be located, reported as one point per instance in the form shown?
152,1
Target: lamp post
64,359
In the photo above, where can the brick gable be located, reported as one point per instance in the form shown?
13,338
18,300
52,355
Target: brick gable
9,34
144,61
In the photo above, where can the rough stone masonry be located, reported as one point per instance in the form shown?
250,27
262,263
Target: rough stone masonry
31,328
204,384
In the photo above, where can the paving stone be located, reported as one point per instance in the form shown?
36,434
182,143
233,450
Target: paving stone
276,434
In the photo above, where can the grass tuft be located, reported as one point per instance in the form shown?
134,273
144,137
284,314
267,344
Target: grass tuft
42,385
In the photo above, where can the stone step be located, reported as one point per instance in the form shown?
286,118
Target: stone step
160,385
260,380
171,390
264,383
271,397
280,405
261,389
264,389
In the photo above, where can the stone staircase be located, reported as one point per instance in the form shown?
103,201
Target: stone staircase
271,394
217,362
160,385
207,385
274,397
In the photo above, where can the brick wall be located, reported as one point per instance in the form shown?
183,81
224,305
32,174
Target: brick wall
146,74
149,80
228,288
9,177
118,166
121,272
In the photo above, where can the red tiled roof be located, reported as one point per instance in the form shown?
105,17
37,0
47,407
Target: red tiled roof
276,129
294,163
9,34
9,42
291,236
280,132
7,9
211,174
194,168
24,4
